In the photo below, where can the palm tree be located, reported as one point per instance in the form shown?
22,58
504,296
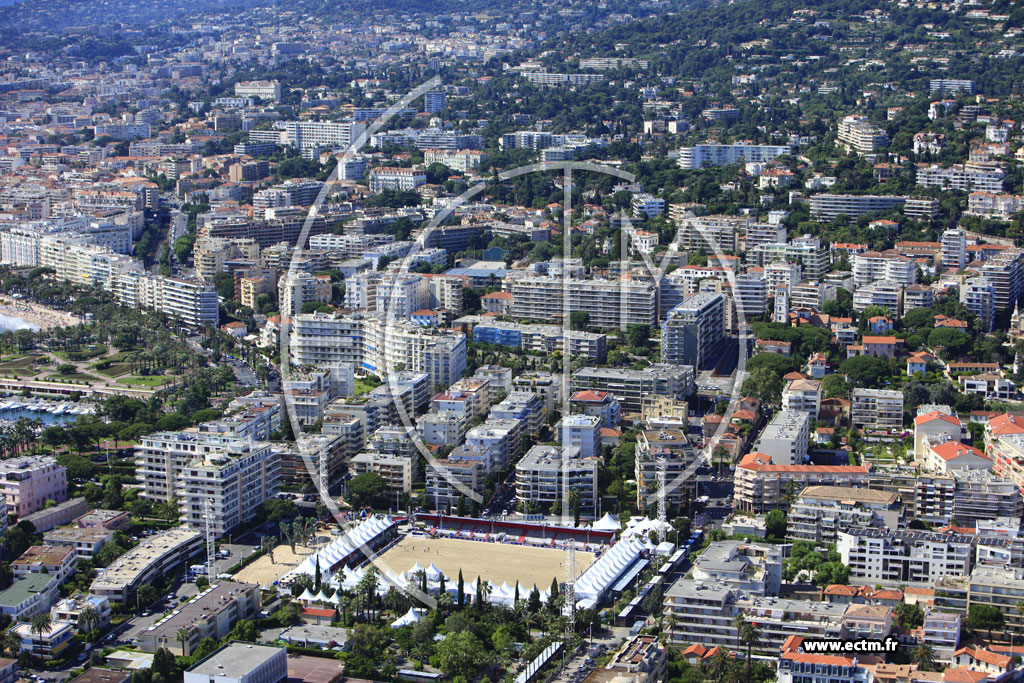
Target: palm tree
719,665
88,620
269,542
286,534
748,636
41,623
924,656
183,635
10,643
368,587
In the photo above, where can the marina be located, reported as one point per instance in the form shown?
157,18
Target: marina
49,412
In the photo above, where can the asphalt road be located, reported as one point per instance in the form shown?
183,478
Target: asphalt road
243,372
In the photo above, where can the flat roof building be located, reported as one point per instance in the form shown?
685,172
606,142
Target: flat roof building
239,662
154,556
787,437
211,614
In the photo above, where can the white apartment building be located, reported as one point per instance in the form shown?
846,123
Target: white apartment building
232,483
462,160
764,233
311,135
547,473
350,168
501,437
749,294
802,395
994,205
608,302
525,406
714,234
543,338
440,490
441,429
395,470
787,437
872,266
700,156
632,387
295,290
859,135
781,274
884,293
246,662
265,90
820,512
879,409
651,463
123,131
805,250
694,330
831,206
377,344
582,432
954,249
161,457
400,296
979,297
1006,273
961,177
391,178
904,556
647,205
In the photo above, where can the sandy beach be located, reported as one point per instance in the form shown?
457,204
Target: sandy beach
45,318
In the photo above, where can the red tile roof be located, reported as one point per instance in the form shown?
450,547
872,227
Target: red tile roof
935,415
818,659
986,656
1006,424
762,462
954,449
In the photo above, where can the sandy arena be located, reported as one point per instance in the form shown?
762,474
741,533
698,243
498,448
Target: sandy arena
264,573
497,562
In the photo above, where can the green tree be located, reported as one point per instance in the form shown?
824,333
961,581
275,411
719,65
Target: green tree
908,616
461,654
985,617
866,371
948,342
88,620
775,524
41,623
579,320
366,489
763,384
834,386
638,335
184,636
147,594
749,637
924,656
